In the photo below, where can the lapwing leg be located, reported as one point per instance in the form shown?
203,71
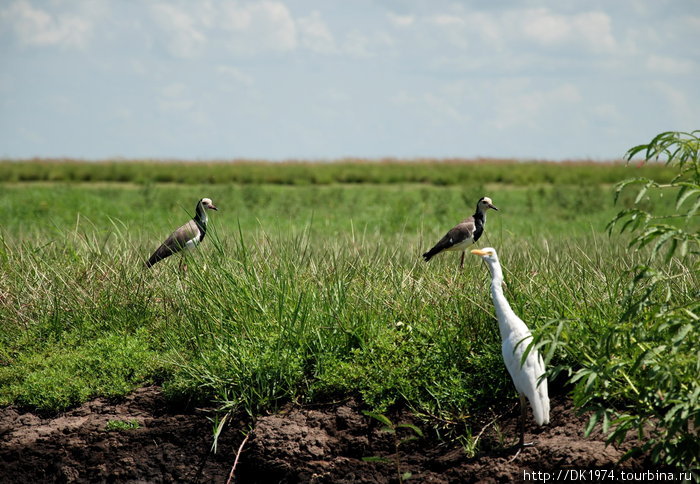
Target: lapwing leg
183,264
461,264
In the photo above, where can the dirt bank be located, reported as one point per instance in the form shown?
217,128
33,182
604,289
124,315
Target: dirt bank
324,444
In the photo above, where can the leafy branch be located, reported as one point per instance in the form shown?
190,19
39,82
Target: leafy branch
641,372
682,151
648,372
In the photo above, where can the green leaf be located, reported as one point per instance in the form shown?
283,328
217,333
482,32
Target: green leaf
218,427
694,208
640,361
642,191
592,421
379,417
606,422
661,239
682,333
686,192
673,244
631,181
417,430
634,151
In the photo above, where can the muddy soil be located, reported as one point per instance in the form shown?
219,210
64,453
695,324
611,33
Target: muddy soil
320,444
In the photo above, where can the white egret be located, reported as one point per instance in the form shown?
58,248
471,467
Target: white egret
516,336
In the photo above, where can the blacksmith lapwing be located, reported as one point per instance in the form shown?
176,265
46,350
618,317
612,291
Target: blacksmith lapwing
464,233
186,237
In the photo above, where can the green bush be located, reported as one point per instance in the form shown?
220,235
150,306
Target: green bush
112,365
642,373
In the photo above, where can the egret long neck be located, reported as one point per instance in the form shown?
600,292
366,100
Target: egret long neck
503,310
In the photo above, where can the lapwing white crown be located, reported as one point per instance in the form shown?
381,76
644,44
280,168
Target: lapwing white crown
186,237
464,233
515,335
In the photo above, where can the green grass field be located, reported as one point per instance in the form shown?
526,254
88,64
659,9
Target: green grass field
436,172
298,293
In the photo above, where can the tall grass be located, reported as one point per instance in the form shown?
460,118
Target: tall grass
296,294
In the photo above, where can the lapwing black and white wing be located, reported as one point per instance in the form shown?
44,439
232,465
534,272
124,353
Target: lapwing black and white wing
456,239
185,236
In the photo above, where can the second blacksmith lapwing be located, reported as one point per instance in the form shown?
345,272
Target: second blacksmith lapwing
186,237
464,233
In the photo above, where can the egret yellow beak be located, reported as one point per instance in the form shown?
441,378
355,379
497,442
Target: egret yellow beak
479,252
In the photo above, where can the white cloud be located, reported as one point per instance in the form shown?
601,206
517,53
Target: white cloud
445,108
606,112
520,105
242,28
670,65
595,29
678,103
441,107
403,98
446,20
34,26
592,30
315,34
401,20
236,75
445,76
184,37
357,44
360,44
493,29
693,22
172,98
456,29
255,27
544,27
335,95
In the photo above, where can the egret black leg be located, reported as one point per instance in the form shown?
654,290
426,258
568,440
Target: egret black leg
523,414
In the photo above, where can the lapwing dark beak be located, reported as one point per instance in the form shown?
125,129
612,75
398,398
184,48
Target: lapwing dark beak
212,207
493,207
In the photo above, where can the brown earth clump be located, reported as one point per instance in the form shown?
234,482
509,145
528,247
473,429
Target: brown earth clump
321,444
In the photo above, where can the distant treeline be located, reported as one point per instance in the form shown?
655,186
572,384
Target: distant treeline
435,172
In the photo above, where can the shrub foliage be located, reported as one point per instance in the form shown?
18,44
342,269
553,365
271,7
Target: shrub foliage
643,376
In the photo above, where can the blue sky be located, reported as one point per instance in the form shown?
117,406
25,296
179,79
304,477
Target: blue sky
327,79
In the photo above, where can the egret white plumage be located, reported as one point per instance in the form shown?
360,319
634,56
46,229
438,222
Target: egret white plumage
516,336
